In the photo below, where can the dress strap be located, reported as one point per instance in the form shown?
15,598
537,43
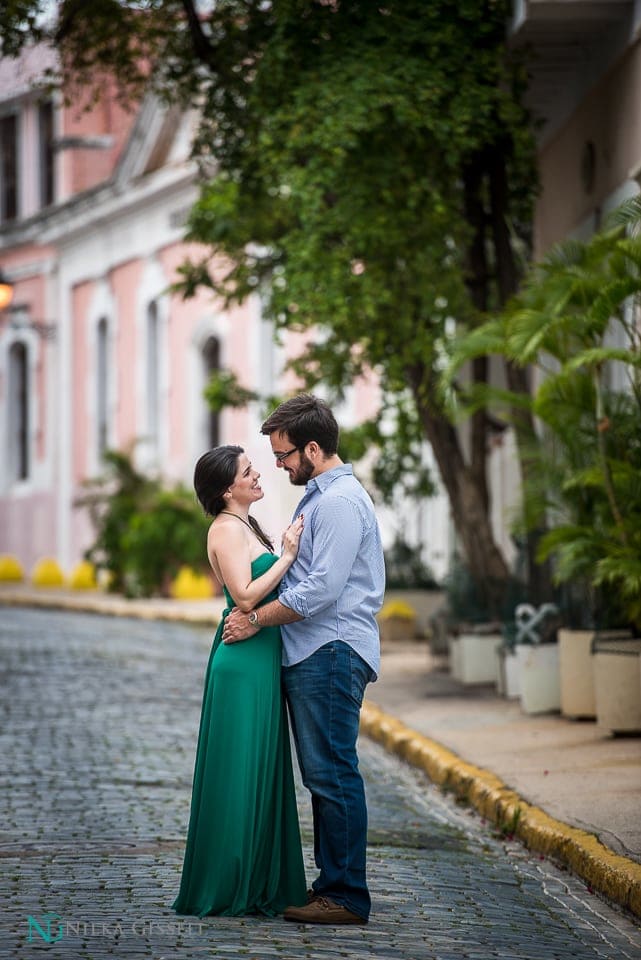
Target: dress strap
253,529
230,514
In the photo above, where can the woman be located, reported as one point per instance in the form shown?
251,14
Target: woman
243,852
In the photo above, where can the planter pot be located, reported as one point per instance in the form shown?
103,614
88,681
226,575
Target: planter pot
454,653
576,674
508,671
393,629
472,657
540,686
424,602
578,698
438,632
616,683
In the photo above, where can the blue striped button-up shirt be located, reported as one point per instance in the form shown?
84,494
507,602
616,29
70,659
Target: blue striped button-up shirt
337,581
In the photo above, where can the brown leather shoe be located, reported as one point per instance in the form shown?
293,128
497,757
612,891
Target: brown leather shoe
322,910
311,895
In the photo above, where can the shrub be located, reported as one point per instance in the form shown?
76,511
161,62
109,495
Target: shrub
169,532
405,569
144,533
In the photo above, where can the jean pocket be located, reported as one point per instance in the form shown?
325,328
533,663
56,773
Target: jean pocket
361,674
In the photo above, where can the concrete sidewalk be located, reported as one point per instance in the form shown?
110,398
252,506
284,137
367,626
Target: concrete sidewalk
559,785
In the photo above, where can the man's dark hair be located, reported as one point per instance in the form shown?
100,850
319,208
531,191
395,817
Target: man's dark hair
305,418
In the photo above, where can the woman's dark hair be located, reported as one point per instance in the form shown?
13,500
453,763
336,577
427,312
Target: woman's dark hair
305,418
214,473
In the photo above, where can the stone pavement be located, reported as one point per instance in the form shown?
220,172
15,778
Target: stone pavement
98,732
575,793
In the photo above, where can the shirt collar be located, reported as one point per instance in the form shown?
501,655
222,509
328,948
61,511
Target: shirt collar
323,480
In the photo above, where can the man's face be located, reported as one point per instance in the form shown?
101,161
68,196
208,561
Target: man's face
297,465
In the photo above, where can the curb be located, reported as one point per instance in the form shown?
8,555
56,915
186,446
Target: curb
112,607
606,872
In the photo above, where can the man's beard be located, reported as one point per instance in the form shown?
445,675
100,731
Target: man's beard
303,472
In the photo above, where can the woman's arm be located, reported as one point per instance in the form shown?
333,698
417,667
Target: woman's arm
230,547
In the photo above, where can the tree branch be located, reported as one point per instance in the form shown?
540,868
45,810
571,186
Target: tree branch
200,42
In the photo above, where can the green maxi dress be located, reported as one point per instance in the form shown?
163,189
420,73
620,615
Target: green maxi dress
243,853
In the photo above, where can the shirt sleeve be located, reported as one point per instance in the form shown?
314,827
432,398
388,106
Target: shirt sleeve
337,533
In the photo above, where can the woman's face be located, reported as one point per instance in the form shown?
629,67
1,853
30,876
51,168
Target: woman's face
246,489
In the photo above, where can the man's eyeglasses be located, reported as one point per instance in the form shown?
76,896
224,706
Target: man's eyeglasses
281,457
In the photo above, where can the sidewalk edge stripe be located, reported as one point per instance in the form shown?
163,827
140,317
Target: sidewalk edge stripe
609,873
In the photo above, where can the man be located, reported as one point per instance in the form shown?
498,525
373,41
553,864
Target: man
327,605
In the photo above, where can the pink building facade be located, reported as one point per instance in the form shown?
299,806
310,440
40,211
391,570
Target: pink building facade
585,90
95,352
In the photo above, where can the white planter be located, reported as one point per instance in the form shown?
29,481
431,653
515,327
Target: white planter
472,657
617,687
576,673
454,655
578,697
507,677
540,686
499,670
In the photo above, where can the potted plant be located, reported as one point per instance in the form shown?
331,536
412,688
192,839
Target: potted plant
577,320
397,621
410,582
537,657
575,326
475,636
617,684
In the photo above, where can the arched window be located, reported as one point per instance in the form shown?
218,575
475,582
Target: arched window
153,377
102,386
211,364
19,464
9,167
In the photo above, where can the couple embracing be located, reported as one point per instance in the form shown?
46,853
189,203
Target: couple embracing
312,610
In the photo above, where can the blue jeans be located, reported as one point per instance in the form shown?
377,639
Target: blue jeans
324,695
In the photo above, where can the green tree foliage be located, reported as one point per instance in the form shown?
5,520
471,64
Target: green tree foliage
223,390
577,321
369,168
367,173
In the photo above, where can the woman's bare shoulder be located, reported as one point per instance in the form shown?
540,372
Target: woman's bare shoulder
223,532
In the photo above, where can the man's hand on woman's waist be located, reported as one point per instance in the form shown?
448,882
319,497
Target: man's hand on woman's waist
239,625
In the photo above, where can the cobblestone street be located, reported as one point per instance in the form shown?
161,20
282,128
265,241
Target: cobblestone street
97,739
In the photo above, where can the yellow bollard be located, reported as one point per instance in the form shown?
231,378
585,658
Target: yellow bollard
191,585
47,573
83,576
10,569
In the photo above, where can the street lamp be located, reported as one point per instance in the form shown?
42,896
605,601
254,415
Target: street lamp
17,312
6,292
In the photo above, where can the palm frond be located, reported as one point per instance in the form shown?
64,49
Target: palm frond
486,340
598,356
627,215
